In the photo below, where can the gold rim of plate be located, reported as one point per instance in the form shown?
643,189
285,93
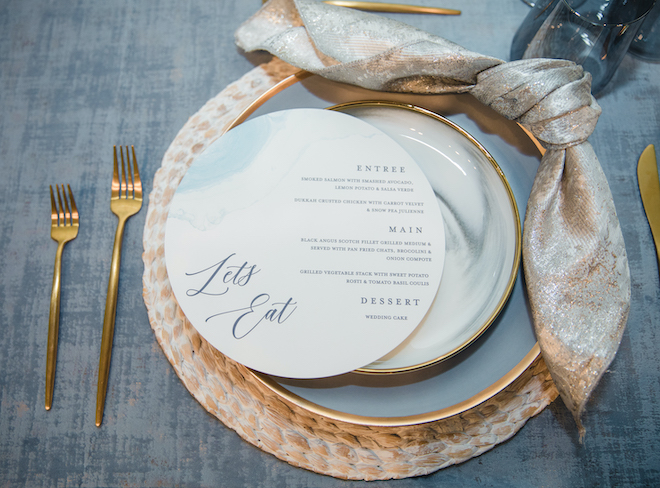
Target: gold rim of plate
457,408
402,421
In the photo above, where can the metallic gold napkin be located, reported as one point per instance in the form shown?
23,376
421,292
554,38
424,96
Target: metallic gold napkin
575,262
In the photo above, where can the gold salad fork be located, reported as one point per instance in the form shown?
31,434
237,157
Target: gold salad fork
125,201
63,228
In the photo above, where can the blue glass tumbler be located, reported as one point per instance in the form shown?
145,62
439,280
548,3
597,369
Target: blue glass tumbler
593,33
646,44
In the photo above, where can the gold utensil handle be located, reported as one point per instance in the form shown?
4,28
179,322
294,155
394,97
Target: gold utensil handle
649,184
392,7
53,327
109,323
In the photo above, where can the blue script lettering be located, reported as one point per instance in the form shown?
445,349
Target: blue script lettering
236,275
279,313
220,276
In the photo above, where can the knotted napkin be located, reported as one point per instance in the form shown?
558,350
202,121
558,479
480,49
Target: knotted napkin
574,257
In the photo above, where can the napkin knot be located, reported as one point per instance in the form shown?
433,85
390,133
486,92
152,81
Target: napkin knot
550,97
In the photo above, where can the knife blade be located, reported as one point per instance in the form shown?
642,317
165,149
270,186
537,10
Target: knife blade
649,188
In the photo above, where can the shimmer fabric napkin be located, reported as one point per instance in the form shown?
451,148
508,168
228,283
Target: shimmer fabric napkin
575,263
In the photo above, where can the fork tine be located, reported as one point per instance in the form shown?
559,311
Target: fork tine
129,177
136,176
67,211
53,207
60,213
115,176
74,209
123,191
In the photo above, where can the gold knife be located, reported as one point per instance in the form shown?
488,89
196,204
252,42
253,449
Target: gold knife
649,188
390,7
393,7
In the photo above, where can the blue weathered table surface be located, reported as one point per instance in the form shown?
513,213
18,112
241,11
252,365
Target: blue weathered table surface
78,77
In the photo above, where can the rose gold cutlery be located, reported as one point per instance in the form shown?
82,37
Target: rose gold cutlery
125,201
390,7
63,228
393,7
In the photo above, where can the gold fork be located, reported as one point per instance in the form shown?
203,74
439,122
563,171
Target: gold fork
125,201
63,228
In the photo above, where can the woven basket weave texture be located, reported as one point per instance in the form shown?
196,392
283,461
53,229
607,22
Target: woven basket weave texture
231,393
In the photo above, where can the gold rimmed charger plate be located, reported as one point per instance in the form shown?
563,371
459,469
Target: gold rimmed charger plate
501,353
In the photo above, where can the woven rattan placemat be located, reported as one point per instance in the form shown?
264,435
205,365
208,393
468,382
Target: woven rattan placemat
230,392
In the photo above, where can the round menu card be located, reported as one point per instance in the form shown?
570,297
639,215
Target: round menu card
305,243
